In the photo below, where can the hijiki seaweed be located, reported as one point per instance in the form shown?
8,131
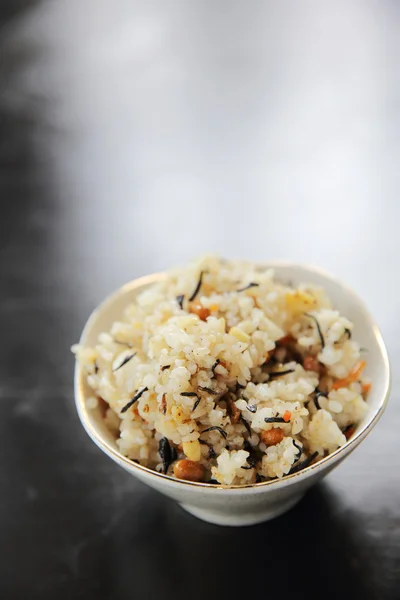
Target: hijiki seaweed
134,399
165,452
247,287
198,286
299,448
125,361
317,395
211,451
180,300
208,390
321,337
246,424
276,374
195,405
215,365
216,428
303,464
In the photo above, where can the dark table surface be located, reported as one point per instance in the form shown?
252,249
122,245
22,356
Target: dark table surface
134,135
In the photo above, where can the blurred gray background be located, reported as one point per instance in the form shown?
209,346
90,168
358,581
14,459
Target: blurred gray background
252,129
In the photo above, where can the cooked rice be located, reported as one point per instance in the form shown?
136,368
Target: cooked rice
214,363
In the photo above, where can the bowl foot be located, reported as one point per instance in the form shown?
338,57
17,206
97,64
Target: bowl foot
238,518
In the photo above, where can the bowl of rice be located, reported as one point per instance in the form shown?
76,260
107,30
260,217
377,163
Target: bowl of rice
229,386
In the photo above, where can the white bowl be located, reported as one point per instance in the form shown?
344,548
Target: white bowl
243,505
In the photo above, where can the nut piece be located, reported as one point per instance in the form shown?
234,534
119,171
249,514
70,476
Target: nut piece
272,436
189,470
192,450
199,310
233,412
310,363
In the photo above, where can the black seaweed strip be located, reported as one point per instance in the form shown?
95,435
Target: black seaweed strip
321,337
251,461
164,450
134,399
247,287
195,405
317,395
299,448
216,428
180,300
280,373
211,452
215,365
303,464
247,446
198,286
125,361
209,390
246,424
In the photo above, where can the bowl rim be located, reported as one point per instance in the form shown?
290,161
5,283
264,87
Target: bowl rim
324,462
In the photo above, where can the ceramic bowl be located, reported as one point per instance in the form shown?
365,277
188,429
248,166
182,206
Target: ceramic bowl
238,505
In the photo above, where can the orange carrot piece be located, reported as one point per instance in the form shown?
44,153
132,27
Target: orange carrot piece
354,375
366,387
287,415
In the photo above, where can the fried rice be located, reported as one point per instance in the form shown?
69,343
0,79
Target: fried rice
222,373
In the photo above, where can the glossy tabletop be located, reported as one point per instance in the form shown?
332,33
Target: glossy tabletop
134,136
